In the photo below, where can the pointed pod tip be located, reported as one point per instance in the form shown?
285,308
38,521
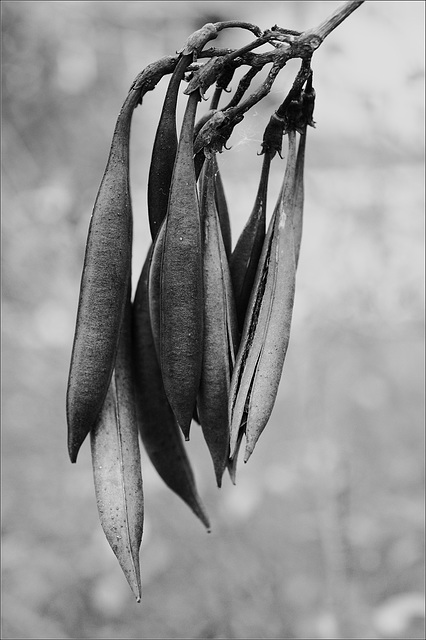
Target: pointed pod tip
73,454
247,453
136,592
232,475
206,522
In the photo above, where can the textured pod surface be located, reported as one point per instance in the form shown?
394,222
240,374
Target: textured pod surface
266,331
181,295
246,254
160,433
117,466
106,271
220,330
164,151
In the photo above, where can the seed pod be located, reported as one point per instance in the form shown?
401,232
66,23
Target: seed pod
245,257
232,462
266,330
101,304
220,330
154,285
299,196
181,297
117,465
220,198
222,208
164,151
158,428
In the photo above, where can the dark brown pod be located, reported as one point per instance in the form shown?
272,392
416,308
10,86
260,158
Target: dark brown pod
101,304
158,428
164,151
181,294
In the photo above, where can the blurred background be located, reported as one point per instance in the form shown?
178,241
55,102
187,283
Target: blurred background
322,537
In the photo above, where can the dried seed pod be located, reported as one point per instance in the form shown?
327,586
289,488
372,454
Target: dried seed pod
246,254
164,151
154,285
222,208
266,330
106,271
181,295
117,466
232,462
299,196
220,330
158,428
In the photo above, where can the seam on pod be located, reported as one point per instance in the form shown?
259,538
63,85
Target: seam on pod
257,328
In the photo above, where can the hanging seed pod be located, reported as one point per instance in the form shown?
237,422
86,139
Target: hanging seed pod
266,330
246,254
299,196
308,104
220,330
164,151
154,285
117,466
181,295
222,208
232,462
101,304
158,428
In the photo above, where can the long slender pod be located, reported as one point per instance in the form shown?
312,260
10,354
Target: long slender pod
266,330
220,329
308,104
181,290
222,209
117,465
299,195
102,297
159,431
246,254
164,150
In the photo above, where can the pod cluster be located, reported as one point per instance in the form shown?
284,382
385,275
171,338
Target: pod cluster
205,336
